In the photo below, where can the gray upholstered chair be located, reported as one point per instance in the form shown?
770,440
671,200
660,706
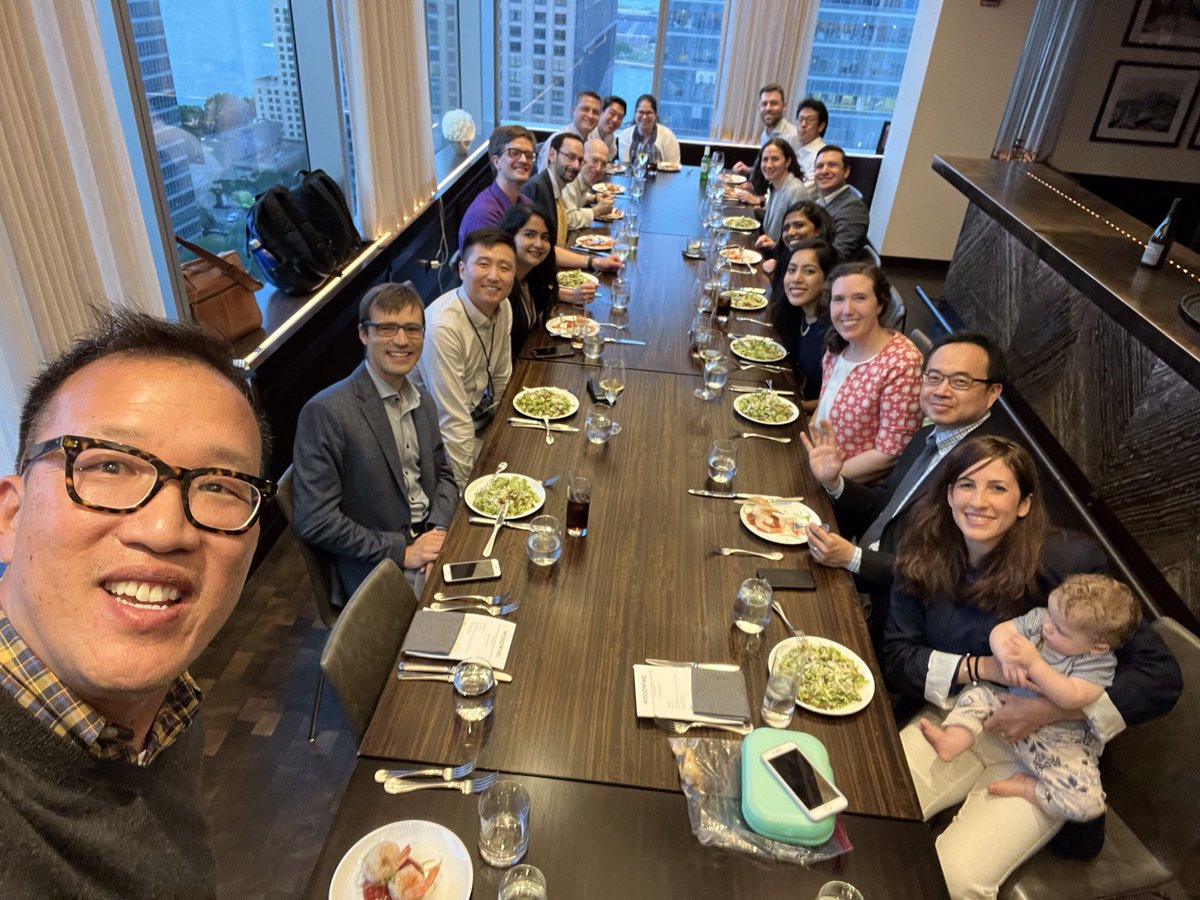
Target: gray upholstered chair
895,313
326,587
361,651
1152,777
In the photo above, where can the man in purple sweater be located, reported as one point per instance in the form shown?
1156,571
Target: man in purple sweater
511,150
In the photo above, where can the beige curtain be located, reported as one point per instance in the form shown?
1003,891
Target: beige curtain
387,82
71,229
764,42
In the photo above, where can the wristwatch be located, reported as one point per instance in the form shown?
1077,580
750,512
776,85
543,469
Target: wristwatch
589,264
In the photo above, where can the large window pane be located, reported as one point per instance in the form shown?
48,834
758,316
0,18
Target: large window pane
636,44
570,43
691,54
221,83
857,59
445,75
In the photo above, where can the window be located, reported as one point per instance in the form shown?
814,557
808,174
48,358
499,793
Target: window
687,87
223,133
539,34
858,57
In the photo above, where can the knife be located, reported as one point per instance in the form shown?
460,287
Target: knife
529,423
752,389
743,497
491,542
612,340
403,667
483,520
715,494
715,667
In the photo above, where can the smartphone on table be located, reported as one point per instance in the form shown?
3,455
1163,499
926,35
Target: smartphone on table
553,352
816,795
475,570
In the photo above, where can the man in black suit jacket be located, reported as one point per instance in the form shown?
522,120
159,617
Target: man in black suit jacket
372,479
961,381
544,191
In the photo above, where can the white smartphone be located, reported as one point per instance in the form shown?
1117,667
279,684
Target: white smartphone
816,794
476,570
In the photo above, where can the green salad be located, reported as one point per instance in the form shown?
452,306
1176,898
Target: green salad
765,406
758,348
506,488
746,299
827,678
544,402
572,278
742,223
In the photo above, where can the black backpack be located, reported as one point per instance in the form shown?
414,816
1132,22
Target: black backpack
302,237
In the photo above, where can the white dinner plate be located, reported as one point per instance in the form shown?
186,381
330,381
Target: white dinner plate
746,301
733,178
866,692
615,168
779,523
742,403
739,345
595,242
428,841
478,485
668,167
617,213
558,392
743,255
740,223
587,276
608,187
560,326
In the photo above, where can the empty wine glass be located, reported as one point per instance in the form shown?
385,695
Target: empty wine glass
711,350
637,187
612,378
701,298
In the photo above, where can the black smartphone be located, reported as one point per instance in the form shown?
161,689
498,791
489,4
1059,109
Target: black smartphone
788,579
552,352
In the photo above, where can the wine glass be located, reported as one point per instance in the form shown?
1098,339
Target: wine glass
643,157
710,344
612,382
621,245
637,187
701,296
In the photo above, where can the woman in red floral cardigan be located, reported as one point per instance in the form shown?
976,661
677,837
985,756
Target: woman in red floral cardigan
872,376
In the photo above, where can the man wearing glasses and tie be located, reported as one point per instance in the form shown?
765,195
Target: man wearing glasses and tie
126,532
372,478
963,377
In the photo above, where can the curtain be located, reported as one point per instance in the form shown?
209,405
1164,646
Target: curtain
764,43
1044,78
387,83
71,229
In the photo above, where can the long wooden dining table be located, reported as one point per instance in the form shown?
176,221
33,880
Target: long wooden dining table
644,583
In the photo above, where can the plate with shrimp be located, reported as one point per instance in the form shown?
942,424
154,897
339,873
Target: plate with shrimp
779,523
409,860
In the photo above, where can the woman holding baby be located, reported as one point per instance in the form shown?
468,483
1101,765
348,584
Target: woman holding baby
976,554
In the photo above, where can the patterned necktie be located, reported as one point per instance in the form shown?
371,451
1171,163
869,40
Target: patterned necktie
908,484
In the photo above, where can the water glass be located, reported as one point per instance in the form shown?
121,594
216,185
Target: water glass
599,425
579,503
716,373
752,607
544,544
474,690
839,890
779,699
593,345
503,824
722,463
581,325
618,297
523,882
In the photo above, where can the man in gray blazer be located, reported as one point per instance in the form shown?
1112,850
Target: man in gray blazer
372,479
843,202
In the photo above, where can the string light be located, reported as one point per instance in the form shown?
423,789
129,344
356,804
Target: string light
1113,225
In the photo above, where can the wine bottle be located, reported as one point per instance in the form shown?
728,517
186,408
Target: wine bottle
1159,244
705,162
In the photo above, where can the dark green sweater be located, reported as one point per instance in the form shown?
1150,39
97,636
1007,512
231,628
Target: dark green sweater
73,826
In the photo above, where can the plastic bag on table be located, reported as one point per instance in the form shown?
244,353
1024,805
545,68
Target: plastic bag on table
710,772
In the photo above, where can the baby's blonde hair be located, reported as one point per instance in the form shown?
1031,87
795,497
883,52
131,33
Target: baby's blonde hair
1101,607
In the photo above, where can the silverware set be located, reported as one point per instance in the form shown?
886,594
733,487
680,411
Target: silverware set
674,727
754,389
746,366
475,785
516,422
412,671
461,606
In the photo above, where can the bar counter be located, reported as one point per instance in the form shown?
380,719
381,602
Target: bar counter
1095,342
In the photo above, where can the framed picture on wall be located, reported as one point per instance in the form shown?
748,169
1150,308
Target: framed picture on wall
1164,23
1146,104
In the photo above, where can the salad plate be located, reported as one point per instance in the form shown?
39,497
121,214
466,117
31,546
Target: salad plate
835,680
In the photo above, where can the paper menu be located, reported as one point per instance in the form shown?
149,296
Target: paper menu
456,636
664,692
692,693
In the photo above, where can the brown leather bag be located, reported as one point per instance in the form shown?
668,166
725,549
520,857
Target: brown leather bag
220,293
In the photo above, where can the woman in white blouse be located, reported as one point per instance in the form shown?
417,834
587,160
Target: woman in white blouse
648,133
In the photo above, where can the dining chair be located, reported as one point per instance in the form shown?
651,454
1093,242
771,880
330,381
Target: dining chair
326,588
1151,774
360,654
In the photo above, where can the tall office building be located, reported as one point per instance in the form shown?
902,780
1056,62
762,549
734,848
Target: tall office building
691,55
277,97
858,55
171,141
441,41
549,50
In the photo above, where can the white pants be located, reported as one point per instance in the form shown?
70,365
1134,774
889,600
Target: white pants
990,836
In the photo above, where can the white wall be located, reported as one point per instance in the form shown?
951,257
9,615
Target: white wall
961,64
1074,151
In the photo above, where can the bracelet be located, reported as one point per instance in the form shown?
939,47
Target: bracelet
589,263
973,672
965,665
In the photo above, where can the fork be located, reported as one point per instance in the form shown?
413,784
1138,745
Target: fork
684,727
769,368
494,599
471,786
549,436
447,774
730,551
796,632
765,437
458,606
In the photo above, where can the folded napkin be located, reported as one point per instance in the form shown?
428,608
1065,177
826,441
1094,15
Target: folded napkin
457,636
721,694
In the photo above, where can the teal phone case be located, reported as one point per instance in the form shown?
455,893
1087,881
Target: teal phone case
767,808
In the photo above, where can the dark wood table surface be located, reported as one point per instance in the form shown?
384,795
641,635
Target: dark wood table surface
603,841
644,583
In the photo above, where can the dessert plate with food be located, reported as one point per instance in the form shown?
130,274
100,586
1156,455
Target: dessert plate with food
405,861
